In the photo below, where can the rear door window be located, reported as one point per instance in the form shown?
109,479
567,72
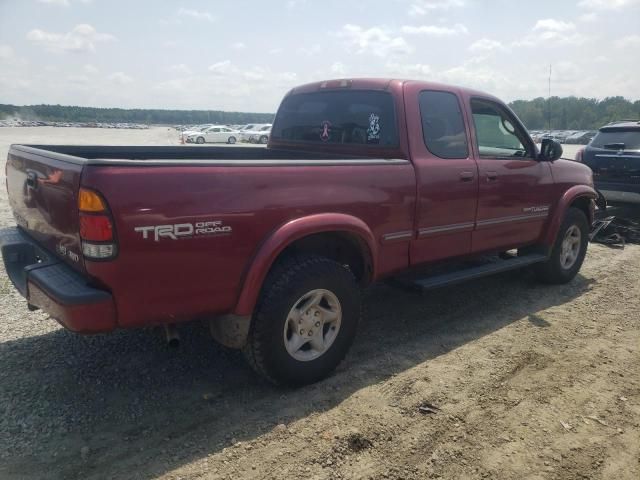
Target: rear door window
443,125
617,139
355,117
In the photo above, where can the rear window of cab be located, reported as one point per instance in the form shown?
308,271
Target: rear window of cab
344,117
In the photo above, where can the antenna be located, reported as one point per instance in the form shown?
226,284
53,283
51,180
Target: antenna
549,101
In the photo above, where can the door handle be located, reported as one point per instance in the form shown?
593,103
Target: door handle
492,176
466,176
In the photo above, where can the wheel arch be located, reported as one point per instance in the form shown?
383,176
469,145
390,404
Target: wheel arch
579,196
342,237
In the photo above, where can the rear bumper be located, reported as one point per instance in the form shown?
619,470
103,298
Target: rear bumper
620,192
51,285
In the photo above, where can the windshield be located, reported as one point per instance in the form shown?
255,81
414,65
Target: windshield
629,137
338,117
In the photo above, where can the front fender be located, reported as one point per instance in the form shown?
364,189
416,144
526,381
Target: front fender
289,233
570,196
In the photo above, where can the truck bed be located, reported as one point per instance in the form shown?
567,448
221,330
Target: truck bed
109,155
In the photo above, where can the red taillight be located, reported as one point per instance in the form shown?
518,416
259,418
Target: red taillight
96,228
579,155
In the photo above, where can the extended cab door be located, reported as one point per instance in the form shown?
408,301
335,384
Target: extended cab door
515,189
446,172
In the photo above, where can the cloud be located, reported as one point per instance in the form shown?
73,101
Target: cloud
238,46
588,17
486,45
607,4
196,14
275,51
180,69
83,38
6,52
553,25
434,30
422,7
377,41
222,67
552,31
120,78
338,68
90,69
416,71
61,3
628,41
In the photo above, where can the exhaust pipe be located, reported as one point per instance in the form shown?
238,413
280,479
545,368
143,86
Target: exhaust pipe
172,335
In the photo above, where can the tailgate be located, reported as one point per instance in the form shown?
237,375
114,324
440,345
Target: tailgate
43,196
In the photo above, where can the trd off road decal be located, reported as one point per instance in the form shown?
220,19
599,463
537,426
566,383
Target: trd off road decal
373,132
183,230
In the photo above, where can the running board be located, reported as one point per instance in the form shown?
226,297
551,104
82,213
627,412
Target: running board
478,271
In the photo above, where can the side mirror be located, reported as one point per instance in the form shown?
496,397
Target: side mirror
550,150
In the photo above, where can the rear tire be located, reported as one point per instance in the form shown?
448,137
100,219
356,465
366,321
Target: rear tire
568,250
231,140
310,301
264,139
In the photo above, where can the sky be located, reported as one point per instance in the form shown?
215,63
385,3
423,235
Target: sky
245,55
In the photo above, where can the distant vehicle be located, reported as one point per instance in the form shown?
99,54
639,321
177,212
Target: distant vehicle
581,138
261,135
614,157
214,134
246,134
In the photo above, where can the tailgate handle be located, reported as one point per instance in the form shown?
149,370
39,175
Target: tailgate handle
32,180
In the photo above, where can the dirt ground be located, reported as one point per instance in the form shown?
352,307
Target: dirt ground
501,378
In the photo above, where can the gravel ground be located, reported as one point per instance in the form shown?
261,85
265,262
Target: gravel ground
501,378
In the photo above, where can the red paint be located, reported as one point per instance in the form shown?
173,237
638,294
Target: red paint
270,207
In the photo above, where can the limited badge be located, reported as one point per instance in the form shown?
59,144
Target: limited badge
326,131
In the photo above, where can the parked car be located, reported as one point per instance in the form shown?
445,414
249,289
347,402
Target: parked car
260,135
272,246
581,138
614,157
247,133
214,134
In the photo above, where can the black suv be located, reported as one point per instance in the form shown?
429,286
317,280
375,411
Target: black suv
614,157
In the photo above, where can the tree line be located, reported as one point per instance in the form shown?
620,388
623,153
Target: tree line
62,113
573,113
567,113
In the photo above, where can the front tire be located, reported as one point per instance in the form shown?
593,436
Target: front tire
568,250
305,321
231,140
264,139
200,140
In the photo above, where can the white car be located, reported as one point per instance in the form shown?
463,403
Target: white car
260,135
248,130
214,134
197,129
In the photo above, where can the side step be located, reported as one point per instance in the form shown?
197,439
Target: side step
497,265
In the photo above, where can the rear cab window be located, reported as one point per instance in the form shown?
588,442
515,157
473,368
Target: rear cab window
617,139
345,117
442,124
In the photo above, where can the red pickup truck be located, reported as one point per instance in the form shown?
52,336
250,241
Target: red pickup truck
362,180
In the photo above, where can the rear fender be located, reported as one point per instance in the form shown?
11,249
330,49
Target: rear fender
289,233
568,198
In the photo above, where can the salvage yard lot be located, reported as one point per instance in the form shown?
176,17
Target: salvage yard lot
524,381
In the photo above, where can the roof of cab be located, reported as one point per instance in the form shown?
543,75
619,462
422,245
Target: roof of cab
381,84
